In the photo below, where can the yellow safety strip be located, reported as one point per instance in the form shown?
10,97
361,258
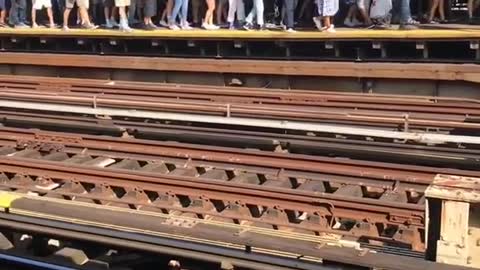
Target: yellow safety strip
6,198
225,34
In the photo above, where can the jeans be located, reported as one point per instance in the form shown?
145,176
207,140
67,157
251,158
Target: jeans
257,11
132,10
17,12
179,5
403,7
236,6
289,9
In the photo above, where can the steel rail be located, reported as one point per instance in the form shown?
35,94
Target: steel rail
355,148
212,191
374,170
421,137
449,72
231,110
244,95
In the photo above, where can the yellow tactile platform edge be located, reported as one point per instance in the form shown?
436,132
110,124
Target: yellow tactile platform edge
255,35
6,199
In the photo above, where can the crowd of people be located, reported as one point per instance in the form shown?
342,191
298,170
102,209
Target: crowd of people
215,14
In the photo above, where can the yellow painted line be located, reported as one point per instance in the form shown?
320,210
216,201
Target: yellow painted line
6,198
270,34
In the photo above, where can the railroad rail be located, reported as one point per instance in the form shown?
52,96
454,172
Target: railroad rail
220,245
309,194
354,147
404,113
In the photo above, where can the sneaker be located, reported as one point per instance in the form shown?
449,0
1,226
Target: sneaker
89,26
248,26
34,25
108,24
407,27
150,27
52,26
412,22
126,29
318,23
114,23
163,23
185,26
21,25
173,27
262,28
232,26
331,29
65,28
348,22
290,30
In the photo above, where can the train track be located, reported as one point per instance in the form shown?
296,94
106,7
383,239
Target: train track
367,201
354,147
393,112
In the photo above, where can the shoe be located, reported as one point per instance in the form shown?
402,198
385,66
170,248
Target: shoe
108,24
412,22
163,23
89,26
290,30
348,22
174,27
407,27
21,25
4,25
52,26
34,25
114,23
248,26
150,27
331,29
262,28
232,26
318,23
65,28
185,26
124,26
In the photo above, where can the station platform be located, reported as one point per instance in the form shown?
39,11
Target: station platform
446,32
430,43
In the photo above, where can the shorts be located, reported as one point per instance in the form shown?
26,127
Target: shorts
108,3
40,4
363,4
149,8
2,5
80,3
122,3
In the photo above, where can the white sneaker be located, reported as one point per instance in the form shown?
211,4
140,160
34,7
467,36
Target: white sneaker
348,22
174,27
108,24
114,23
185,26
291,30
163,23
318,23
331,29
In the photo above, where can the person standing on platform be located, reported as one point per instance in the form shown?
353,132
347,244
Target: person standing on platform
166,14
122,12
235,7
288,14
406,21
208,20
180,5
149,10
472,5
18,13
134,9
109,10
326,10
221,12
39,5
3,13
83,10
256,12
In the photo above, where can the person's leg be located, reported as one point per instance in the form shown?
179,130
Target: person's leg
208,20
259,7
34,19
240,11
175,11
50,17
289,13
13,14
433,9
132,10
232,9
363,8
184,19
469,7
441,10
196,4
22,12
